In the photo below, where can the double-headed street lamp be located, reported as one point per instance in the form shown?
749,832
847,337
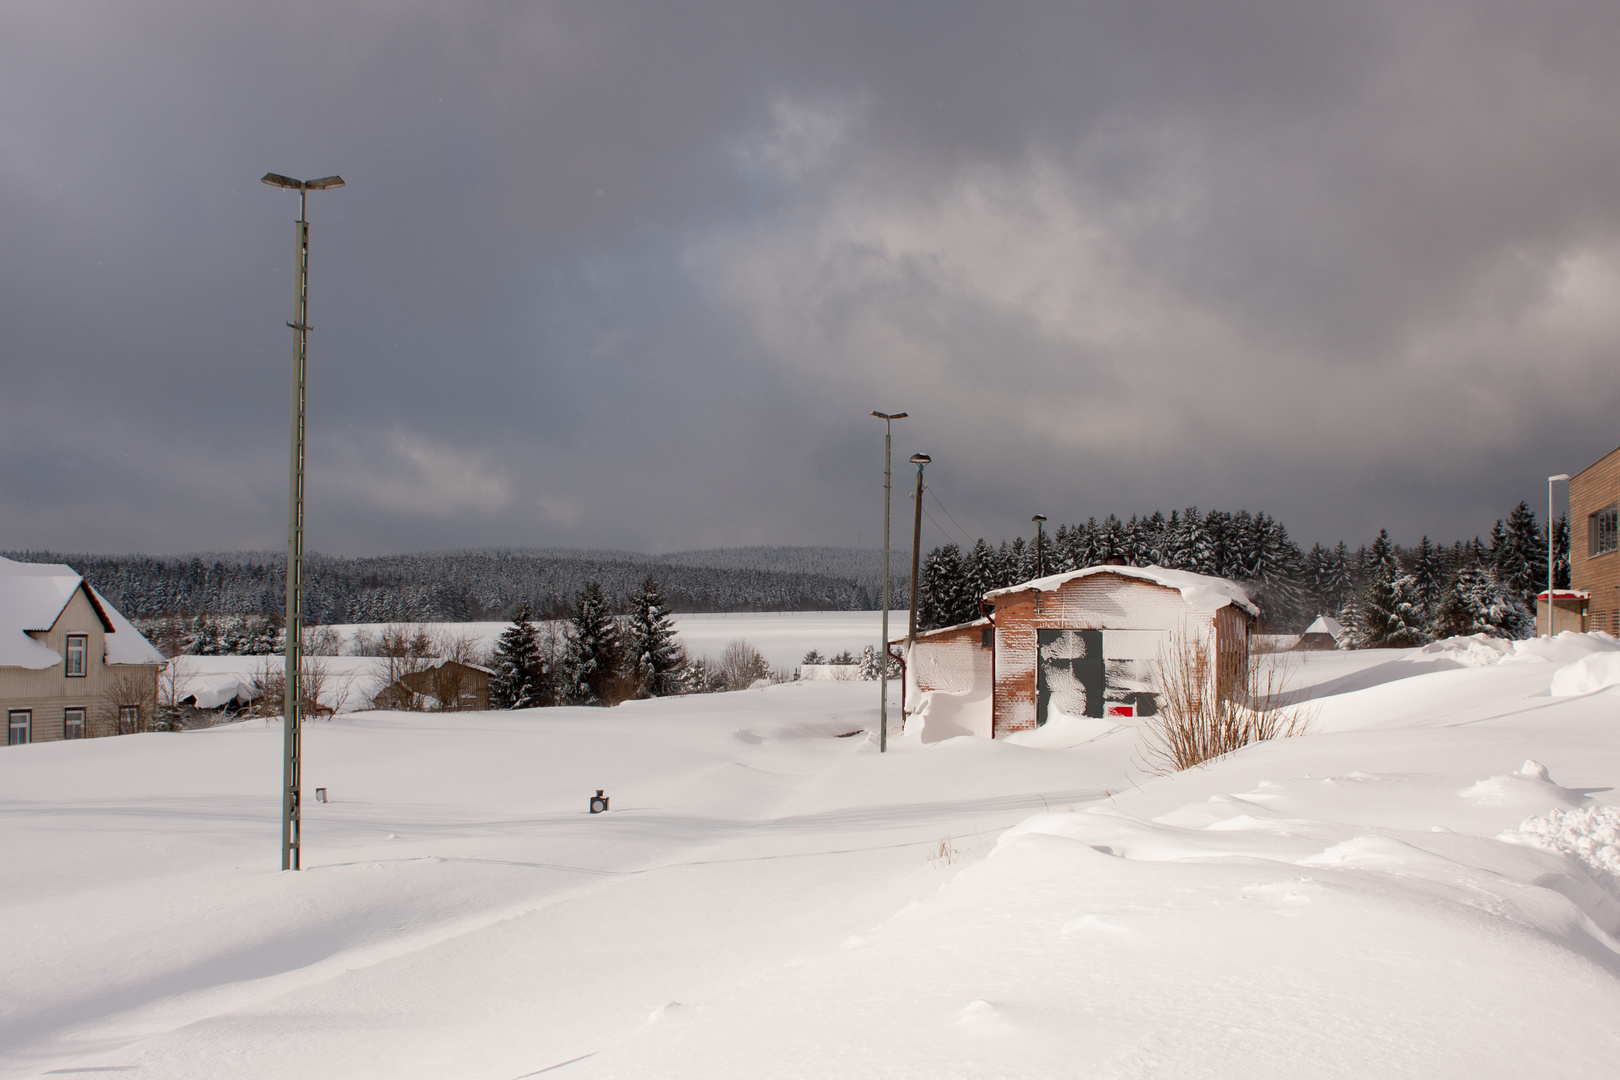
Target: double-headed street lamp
883,667
1550,548
291,755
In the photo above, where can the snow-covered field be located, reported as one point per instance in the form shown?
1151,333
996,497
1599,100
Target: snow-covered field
1422,887
782,636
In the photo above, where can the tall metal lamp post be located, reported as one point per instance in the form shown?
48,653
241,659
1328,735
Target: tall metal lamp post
1551,548
1040,545
883,667
291,748
918,460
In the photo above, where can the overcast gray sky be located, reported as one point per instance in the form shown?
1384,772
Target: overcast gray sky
634,275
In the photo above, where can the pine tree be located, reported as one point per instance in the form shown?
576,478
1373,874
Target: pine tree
521,680
1392,612
653,658
591,665
1519,553
1561,553
1428,568
1476,603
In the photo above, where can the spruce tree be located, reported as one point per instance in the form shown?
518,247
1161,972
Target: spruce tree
521,680
1519,553
591,666
1561,553
1476,603
653,657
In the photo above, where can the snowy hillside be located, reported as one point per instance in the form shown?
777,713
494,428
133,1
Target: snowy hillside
1425,886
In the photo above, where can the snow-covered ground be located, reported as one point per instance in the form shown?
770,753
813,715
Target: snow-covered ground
1424,886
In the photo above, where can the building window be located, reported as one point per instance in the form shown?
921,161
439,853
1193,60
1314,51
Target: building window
78,647
19,726
1603,531
129,719
73,724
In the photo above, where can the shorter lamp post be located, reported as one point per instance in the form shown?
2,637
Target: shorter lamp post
1040,545
1551,548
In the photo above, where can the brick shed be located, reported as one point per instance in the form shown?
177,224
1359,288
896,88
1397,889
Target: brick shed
1083,643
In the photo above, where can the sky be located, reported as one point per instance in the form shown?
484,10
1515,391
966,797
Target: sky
635,275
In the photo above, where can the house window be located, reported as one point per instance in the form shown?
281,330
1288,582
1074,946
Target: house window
19,726
78,647
73,724
129,719
1603,531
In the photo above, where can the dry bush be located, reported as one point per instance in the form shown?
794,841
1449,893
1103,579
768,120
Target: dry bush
1205,712
742,665
134,690
448,683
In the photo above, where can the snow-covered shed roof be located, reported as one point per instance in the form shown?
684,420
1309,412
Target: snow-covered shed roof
1325,624
32,598
1200,591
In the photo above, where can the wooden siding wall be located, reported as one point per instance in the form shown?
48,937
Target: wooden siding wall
1098,602
1591,490
50,692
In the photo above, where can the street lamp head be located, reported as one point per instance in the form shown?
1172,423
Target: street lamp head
1560,476
889,415
325,182
1038,517
920,459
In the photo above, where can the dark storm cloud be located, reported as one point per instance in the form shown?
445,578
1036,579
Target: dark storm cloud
633,276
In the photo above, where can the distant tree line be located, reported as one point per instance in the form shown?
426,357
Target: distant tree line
600,658
1382,593
461,586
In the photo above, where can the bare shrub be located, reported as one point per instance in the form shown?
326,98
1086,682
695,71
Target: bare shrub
448,682
321,641
127,704
742,665
1205,711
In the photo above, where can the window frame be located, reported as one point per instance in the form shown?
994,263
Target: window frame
83,717
84,657
129,719
1603,531
27,727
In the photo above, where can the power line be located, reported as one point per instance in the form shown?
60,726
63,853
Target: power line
960,531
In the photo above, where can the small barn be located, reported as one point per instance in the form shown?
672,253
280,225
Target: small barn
446,686
1084,643
1324,633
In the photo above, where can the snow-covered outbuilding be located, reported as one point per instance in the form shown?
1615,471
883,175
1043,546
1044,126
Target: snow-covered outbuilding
1324,633
1079,644
71,666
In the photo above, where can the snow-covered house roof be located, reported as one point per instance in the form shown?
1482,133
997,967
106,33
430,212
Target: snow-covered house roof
1325,624
1200,591
34,595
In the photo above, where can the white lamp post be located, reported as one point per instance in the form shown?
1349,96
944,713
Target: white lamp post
1551,548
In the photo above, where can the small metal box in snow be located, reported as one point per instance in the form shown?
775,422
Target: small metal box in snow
599,802
320,794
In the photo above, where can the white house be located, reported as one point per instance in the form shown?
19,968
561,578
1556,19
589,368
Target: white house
71,666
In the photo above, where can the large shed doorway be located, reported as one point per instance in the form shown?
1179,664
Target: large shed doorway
1070,675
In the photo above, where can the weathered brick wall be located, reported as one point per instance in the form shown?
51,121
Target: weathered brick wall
1590,490
1097,602
954,661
